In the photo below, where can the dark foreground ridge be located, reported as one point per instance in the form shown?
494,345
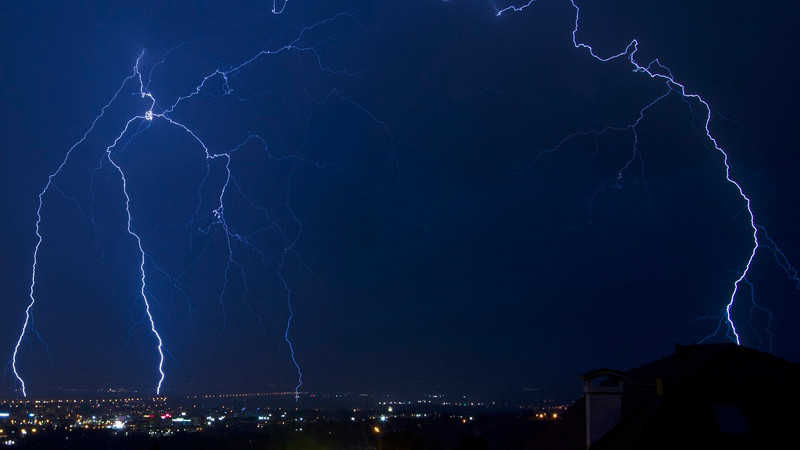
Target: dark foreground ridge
703,396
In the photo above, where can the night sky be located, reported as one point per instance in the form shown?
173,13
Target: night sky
391,179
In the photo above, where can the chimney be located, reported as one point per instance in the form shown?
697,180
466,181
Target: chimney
603,390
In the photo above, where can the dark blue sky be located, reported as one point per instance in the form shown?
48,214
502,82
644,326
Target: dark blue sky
385,169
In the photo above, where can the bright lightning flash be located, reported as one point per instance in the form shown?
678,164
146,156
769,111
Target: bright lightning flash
219,218
158,112
657,71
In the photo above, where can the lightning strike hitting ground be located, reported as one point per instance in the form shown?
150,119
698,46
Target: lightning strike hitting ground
161,111
142,121
659,72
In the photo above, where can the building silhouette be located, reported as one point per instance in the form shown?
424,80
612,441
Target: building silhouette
715,396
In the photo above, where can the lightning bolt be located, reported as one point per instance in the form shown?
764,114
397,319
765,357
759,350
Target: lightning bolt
659,72
157,111
139,123
39,237
143,284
